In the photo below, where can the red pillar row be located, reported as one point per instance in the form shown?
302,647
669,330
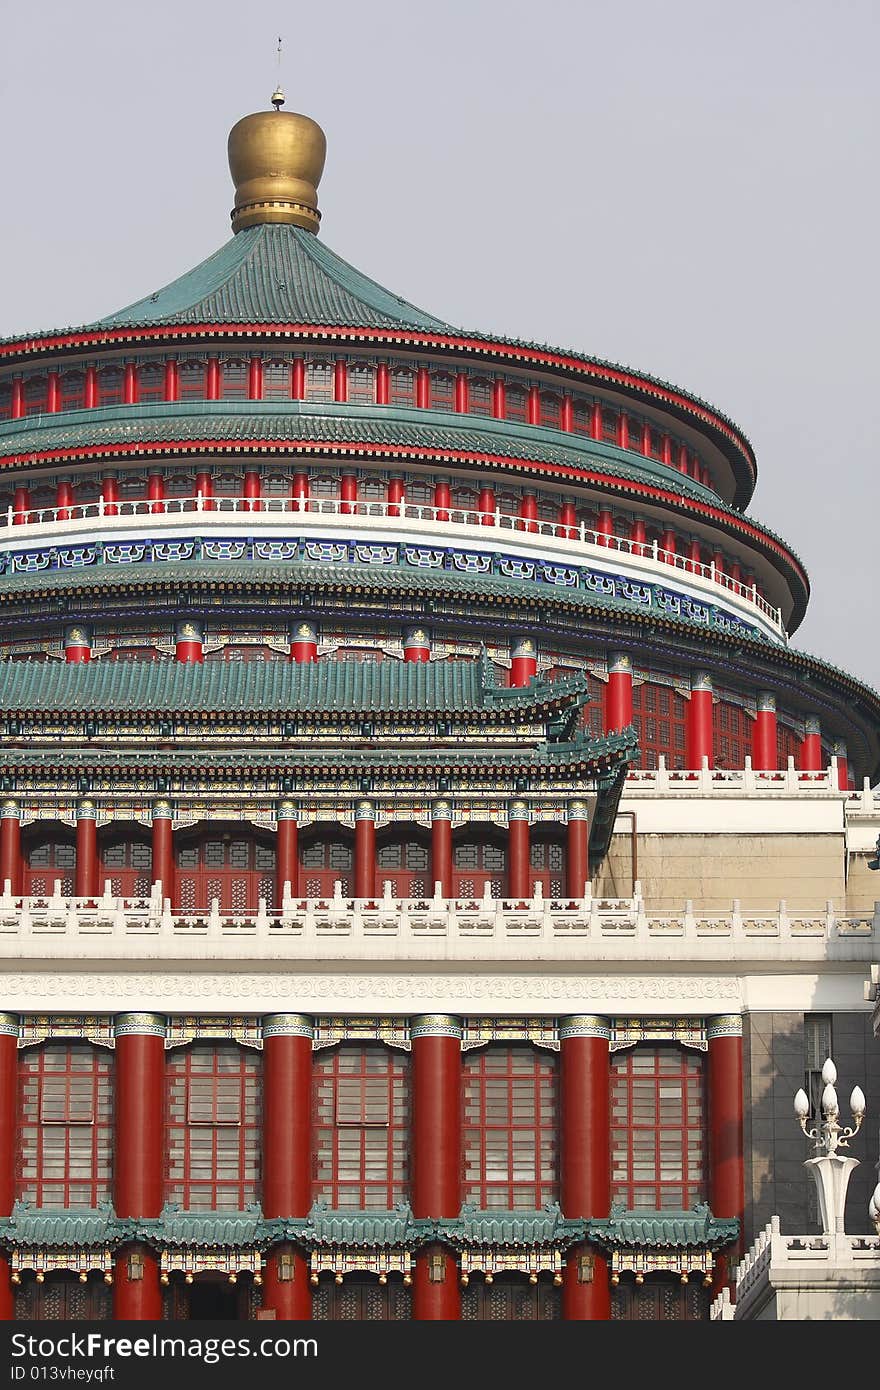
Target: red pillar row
618,693
436,1155
699,722
724,1091
287,1108
585,1158
365,850
8,1116
138,1158
286,852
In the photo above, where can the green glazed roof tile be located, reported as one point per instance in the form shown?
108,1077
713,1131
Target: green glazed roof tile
660,1229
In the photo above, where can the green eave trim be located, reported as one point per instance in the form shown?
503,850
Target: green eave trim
663,1230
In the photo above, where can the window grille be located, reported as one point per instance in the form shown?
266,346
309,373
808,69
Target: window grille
65,1138
73,385
510,1128
212,1127
551,410
235,379
319,380
151,382
658,1138
442,391
516,403
277,380
362,384
111,381
402,386
192,380
36,390
480,396
361,1114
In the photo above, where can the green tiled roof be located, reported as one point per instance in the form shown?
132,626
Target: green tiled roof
236,1229
275,274
274,686
396,1227
395,427
666,1229
29,1225
475,1227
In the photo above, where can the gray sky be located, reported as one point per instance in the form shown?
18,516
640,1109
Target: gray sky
689,187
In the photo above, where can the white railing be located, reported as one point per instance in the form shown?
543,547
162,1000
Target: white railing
577,929
20,524
741,781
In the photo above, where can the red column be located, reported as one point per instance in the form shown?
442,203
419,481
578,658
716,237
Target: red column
669,543
724,1098
189,641
298,380
348,491
172,380
699,722
77,644
303,642
533,406
619,693
810,759
286,852
383,384
683,459
156,491
764,746
596,422
441,848
585,1158
462,394
299,492
21,505
53,393
638,537
365,850
436,1157
695,557
604,526
212,380
566,414
255,379
838,751
90,389
130,384
568,521
519,870
623,430
163,849
16,408
396,496
486,506
86,876
499,400
8,1148
251,491
423,388
577,856
110,495
416,644
205,487
523,661
138,1158
10,848
340,380
442,500
666,449
287,1108
646,440
528,510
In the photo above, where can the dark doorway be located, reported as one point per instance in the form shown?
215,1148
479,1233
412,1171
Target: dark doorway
212,1301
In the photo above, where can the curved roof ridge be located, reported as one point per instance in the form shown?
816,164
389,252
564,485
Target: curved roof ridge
274,273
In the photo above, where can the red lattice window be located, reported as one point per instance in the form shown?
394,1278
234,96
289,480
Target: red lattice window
658,1139
550,414
235,379
277,379
192,377
660,718
361,1113
788,745
127,864
362,383
228,864
516,402
151,382
65,1125
442,391
477,862
47,861
479,396
325,861
319,380
36,395
402,386
510,1128
547,861
406,865
732,735
213,1112
111,382
73,389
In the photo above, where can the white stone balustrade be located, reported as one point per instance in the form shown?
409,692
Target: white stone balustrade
333,518
743,781
804,1276
339,927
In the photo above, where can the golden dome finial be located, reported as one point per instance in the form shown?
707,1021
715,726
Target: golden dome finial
276,159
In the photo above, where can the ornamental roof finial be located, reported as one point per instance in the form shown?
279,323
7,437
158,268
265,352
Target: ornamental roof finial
276,159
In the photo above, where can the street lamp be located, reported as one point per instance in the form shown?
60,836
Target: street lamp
831,1171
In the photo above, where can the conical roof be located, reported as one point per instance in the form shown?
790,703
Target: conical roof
275,273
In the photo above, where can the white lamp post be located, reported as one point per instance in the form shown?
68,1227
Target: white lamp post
831,1171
